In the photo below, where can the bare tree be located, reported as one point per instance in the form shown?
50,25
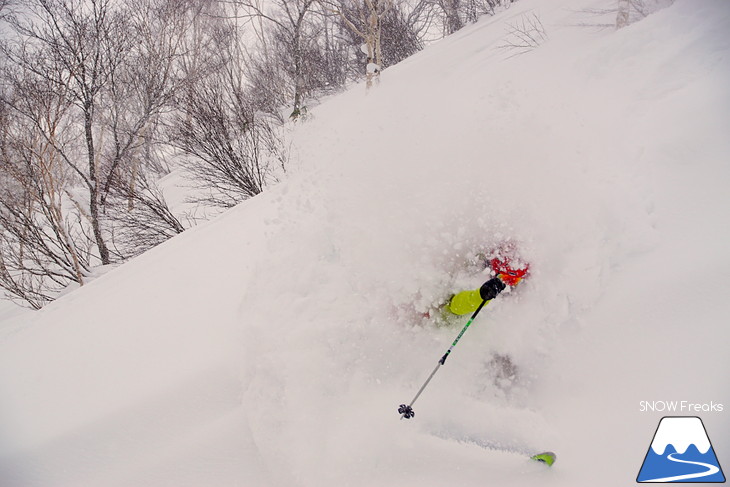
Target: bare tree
401,35
44,240
294,35
365,20
629,11
142,218
524,35
138,99
228,147
5,6
120,66
622,15
86,89
143,87
453,13
75,48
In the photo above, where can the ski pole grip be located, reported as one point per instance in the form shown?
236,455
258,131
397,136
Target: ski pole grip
443,359
491,289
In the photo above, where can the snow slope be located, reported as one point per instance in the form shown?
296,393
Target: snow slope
9,310
272,346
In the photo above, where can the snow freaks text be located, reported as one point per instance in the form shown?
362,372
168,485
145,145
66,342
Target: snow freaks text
680,407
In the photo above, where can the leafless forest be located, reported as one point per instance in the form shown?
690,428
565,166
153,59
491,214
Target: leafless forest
99,99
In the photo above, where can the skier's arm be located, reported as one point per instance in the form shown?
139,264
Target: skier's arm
467,302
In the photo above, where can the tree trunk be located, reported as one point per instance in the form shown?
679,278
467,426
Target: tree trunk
622,18
298,74
94,185
374,65
453,20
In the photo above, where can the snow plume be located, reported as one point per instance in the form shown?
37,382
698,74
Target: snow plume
273,345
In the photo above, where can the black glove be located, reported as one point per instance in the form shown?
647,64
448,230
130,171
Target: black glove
491,288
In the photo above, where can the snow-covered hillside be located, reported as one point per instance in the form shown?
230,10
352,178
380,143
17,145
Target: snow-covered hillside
273,345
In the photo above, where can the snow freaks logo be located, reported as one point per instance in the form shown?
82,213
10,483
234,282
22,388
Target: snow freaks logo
680,452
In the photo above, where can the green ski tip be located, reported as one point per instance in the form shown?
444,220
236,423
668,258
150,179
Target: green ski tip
547,458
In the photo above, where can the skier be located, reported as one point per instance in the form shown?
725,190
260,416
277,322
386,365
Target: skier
467,302
507,273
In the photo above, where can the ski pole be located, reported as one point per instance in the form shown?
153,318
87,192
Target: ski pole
406,411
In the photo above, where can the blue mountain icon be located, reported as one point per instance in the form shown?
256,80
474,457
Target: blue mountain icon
681,452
